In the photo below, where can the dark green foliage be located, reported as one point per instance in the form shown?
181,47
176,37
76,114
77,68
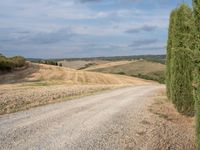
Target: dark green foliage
48,62
18,61
181,63
182,81
196,82
184,27
156,76
196,9
9,64
169,50
196,85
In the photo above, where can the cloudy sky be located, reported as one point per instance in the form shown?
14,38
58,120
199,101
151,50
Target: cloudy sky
84,28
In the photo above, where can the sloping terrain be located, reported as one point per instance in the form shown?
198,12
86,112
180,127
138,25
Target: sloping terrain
80,64
141,68
108,64
61,75
43,84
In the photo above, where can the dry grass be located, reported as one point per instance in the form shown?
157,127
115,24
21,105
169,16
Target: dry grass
78,64
141,68
172,130
109,64
17,98
43,84
37,73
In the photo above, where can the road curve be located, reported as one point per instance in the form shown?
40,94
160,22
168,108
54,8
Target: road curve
110,120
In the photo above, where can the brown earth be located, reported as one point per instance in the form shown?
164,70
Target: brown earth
171,130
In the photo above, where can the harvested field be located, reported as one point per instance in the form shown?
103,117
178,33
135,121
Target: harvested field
51,75
141,68
108,64
79,64
15,98
44,84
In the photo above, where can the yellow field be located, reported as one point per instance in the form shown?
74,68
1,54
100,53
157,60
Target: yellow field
43,84
37,73
108,64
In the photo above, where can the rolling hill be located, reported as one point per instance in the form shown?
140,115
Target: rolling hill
139,68
61,75
41,84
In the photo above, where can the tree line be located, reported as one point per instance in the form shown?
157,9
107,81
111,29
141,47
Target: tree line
183,62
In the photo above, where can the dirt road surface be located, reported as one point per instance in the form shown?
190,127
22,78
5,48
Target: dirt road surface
117,119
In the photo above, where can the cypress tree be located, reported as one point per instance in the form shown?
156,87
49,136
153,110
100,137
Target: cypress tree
169,51
181,63
196,82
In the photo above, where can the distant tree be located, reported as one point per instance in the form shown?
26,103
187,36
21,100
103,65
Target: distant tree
169,51
196,82
181,62
18,61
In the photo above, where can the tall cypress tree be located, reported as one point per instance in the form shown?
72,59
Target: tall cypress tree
196,85
181,63
169,51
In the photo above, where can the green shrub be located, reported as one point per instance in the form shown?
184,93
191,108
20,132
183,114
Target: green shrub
48,62
18,61
8,64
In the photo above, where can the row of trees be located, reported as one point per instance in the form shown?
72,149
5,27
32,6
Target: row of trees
9,64
50,62
183,61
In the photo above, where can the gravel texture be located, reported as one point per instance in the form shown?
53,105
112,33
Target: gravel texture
16,98
113,120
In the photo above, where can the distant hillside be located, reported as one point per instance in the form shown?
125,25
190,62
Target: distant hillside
154,58
40,74
141,68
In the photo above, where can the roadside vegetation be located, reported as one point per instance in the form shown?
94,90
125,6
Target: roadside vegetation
183,62
9,64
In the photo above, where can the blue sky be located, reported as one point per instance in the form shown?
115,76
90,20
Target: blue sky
84,28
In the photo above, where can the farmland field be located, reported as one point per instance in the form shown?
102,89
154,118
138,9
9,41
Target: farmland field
141,68
43,84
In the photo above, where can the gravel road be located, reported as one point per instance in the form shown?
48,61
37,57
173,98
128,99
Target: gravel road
111,120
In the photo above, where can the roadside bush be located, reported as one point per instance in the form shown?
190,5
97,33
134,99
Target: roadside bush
8,64
18,61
